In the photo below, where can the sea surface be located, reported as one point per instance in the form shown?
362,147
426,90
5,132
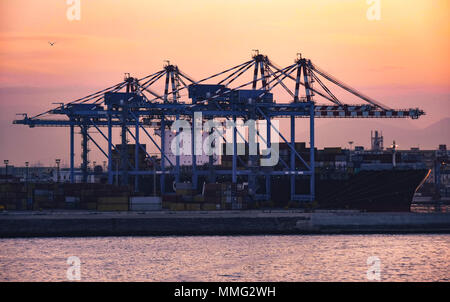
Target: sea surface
229,258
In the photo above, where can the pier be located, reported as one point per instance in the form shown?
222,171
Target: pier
256,222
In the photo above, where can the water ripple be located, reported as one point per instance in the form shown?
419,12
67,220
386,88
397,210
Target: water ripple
228,258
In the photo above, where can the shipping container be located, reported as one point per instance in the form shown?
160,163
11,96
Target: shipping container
145,200
72,199
209,207
145,207
113,200
145,203
177,206
193,207
199,198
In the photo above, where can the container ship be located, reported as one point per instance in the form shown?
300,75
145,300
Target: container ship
389,190
382,190
375,180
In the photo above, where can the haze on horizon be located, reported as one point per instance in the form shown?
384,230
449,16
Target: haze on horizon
402,60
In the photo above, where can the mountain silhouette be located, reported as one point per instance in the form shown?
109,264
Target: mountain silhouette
337,133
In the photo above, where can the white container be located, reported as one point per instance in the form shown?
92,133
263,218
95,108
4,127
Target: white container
145,203
145,200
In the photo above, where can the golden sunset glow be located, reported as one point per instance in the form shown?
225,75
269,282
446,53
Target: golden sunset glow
408,46
402,60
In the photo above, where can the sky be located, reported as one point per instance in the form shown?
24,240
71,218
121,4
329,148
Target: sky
402,59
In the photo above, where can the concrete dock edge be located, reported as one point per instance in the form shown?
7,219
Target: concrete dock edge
81,224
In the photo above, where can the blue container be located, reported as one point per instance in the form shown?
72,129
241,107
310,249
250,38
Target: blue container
245,95
199,92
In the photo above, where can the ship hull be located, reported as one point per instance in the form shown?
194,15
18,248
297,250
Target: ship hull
371,191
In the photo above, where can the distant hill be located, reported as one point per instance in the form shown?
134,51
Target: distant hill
339,132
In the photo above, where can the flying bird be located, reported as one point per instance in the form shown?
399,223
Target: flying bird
51,43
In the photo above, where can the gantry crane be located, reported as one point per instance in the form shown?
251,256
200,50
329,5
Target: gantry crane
244,91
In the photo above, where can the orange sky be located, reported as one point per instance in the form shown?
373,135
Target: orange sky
402,60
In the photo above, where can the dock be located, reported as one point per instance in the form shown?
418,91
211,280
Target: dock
195,223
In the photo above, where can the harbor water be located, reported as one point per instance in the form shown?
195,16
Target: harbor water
229,258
